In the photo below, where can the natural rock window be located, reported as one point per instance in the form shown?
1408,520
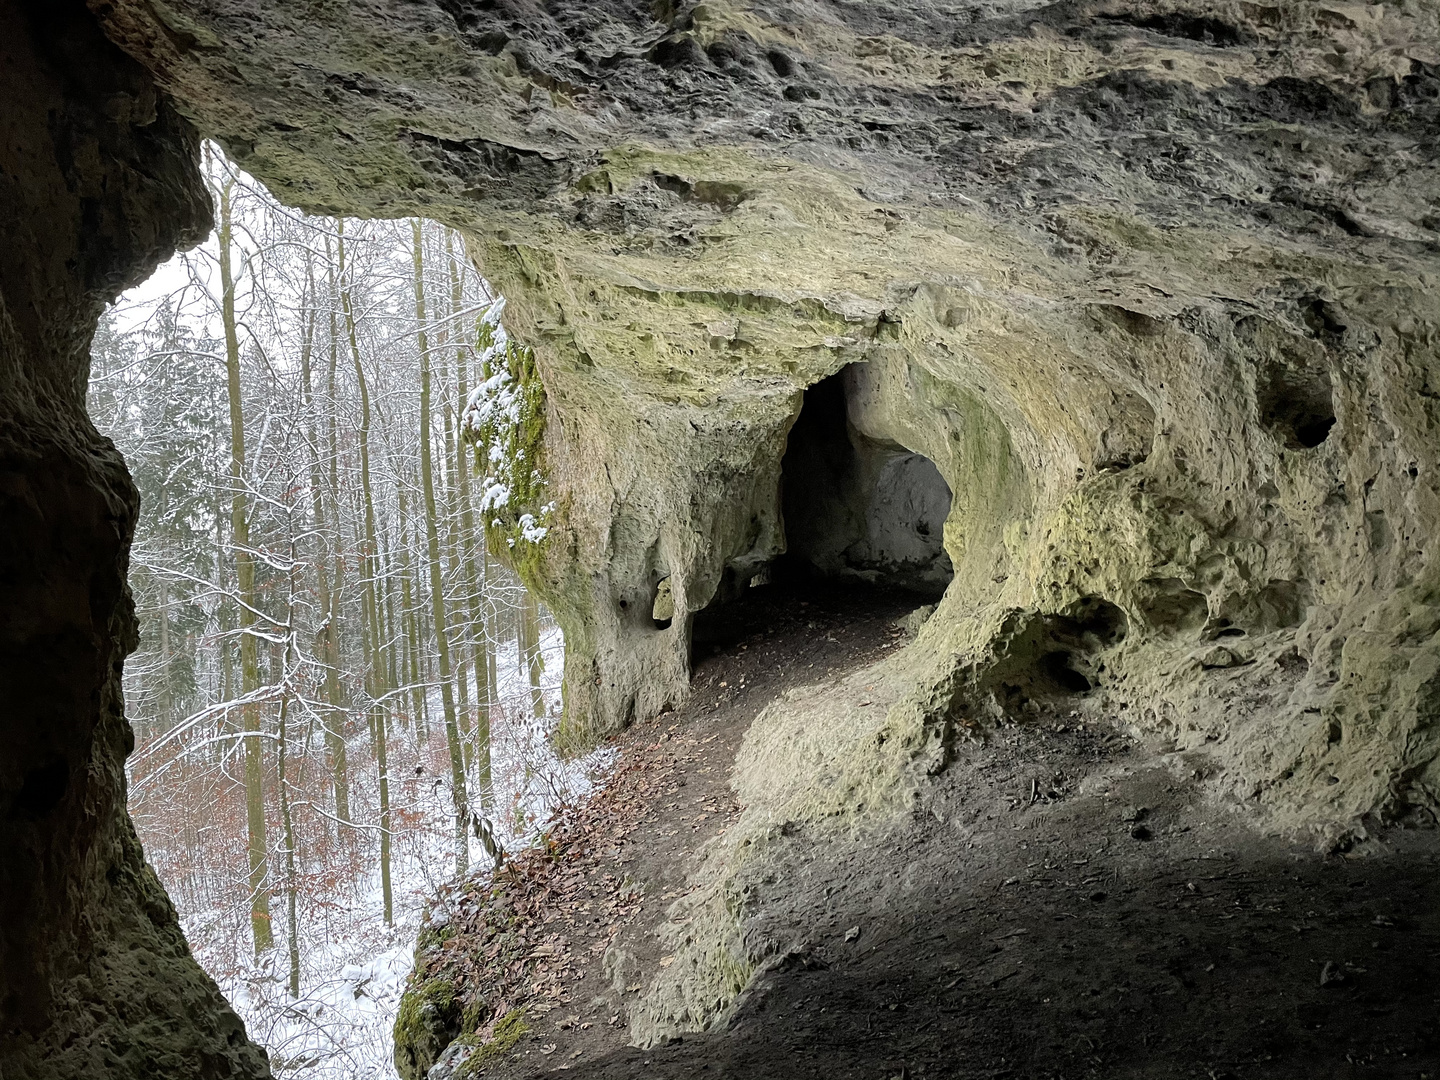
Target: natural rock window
860,507
662,612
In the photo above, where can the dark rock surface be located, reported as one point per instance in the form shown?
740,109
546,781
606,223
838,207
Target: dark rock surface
98,185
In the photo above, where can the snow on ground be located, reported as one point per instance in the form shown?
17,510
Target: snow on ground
353,966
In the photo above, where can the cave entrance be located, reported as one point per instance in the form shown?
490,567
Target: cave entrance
858,508
864,526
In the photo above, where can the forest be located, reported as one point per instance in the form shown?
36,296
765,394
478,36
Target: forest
339,696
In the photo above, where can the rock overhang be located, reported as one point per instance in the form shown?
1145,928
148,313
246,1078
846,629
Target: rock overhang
1151,283
1153,286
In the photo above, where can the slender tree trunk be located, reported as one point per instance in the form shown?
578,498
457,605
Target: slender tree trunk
375,673
492,623
164,703
334,717
392,637
409,598
245,586
455,612
166,698
337,565
292,922
481,662
437,596
533,660
222,616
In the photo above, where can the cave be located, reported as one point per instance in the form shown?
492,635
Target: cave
950,218
863,521
857,507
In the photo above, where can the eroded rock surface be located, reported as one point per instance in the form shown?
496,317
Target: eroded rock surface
1151,285
98,185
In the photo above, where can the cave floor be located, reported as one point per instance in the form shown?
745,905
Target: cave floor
1065,903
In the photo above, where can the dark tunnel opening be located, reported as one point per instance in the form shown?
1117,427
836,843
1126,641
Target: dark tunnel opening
864,525
857,508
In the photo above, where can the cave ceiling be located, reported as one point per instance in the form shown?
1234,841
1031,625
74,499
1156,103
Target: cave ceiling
1152,285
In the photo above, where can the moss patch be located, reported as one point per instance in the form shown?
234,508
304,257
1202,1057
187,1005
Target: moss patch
506,1032
505,421
427,1022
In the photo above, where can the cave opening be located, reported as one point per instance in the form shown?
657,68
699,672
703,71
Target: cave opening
864,524
859,508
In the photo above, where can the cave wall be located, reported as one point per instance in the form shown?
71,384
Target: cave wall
1151,283
98,184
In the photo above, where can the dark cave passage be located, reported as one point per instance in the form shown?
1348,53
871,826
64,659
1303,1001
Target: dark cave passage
864,526
860,508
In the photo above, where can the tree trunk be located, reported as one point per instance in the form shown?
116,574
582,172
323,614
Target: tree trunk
292,922
437,597
165,703
340,709
222,616
455,617
481,660
533,661
334,716
245,586
375,676
408,595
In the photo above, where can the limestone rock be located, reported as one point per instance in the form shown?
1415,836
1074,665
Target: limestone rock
1152,288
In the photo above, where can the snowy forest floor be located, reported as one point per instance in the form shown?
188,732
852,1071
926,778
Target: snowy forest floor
353,965
1066,903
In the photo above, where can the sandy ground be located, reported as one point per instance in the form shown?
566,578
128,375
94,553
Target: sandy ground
1065,903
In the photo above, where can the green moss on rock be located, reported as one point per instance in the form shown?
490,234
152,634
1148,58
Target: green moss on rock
505,422
508,1031
429,1019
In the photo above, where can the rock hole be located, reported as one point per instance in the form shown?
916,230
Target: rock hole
1282,604
1296,402
662,611
1091,623
780,63
1178,24
1168,606
860,508
1050,658
1057,666
677,51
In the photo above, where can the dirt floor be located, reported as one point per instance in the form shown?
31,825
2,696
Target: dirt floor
1065,903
